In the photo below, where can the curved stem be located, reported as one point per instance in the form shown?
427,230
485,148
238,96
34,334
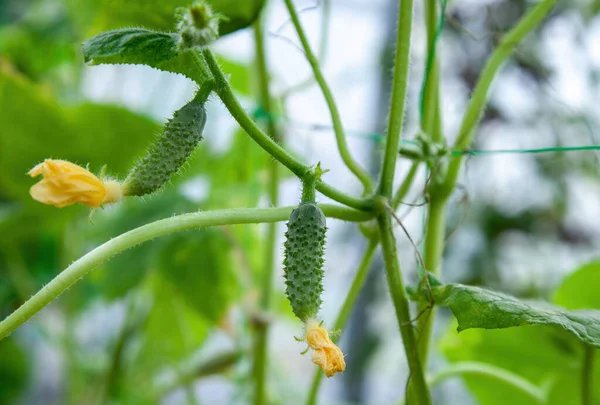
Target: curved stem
478,101
396,114
226,95
405,186
346,310
340,137
262,329
511,379
587,376
163,227
402,307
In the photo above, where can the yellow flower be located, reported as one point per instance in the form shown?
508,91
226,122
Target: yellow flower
65,183
326,353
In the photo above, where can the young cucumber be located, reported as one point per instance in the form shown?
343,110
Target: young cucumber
303,262
170,151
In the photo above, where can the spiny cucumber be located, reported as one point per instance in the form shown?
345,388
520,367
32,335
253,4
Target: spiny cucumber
170,151
303,259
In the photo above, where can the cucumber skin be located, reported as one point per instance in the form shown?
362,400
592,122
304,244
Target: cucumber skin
304,258
170,151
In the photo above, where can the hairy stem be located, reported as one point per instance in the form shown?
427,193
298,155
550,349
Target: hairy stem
226,95
399,86
478,100
401,305
346,310
587,376
262,332
340,137
162,227
510,379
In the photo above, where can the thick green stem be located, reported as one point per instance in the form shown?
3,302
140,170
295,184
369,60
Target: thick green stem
262,332
478,100
346,310
401,305
587,376
399,86
163,227
432,258
338,128
226,95
510,379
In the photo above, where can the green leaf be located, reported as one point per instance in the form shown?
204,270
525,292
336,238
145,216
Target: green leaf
172,331
140,46
101,15
476,307
580,289
547,357
14,370
199,266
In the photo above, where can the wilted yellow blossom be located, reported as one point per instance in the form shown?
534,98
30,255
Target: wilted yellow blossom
326,353
65,183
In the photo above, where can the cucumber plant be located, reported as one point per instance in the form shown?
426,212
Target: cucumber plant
187,51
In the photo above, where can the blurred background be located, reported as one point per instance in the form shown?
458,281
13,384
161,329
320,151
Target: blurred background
170,321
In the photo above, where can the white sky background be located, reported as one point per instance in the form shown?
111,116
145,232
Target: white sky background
352,68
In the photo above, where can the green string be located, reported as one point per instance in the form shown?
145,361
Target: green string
260,114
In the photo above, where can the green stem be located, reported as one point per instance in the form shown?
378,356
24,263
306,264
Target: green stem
587,376
338,128
163,227
432,258
430,114
396,114
405,186
513,380
226,95
478,101
262,332
396,285
346,310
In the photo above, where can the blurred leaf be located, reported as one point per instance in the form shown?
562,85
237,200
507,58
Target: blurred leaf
35,127
14,370
580,289
544,356
476,307
198,265
144,47
172,331
239,75
95,17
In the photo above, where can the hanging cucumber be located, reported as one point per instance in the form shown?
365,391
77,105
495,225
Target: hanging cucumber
303,269
170,151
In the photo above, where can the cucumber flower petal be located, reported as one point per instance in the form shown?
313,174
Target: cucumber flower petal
65,183
326,354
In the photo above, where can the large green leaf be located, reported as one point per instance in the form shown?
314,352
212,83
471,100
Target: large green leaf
101,15
199,266
476,307
140,46
550,358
